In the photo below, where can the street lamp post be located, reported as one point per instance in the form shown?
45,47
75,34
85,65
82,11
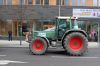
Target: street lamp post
98,34
21,25
59,7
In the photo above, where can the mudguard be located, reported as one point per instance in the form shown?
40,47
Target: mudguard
47,40
73,30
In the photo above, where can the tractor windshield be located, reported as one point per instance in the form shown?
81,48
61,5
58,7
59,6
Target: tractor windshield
66,24
62,24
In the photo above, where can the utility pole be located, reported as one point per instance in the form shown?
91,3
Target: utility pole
21,25
98,34
59,7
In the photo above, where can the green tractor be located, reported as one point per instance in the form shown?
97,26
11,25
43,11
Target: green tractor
66,32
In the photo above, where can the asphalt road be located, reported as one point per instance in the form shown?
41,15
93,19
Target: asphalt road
54,57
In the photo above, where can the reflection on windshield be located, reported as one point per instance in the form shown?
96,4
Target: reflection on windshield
50,29
53,28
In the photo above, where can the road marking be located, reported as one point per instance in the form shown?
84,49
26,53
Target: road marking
5,62
3,55
75,57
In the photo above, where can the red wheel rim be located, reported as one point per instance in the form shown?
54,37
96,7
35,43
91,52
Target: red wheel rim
76,43
38,45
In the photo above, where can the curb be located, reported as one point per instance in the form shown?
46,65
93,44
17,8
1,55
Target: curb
16,44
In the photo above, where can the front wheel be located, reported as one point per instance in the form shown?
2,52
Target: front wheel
75,44
38,46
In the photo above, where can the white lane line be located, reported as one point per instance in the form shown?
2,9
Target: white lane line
3,55
5,62
75,57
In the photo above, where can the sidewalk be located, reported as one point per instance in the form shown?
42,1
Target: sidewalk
16,43
93,45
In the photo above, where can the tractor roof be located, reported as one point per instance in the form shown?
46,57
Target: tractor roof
64,17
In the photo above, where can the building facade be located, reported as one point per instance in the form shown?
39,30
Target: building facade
33,13
52,2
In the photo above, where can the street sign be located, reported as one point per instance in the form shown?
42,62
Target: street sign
89,13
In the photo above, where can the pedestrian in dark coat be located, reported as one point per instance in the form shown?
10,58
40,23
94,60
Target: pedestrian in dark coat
10,35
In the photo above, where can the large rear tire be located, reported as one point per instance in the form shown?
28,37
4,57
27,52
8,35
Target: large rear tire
75,44
38,46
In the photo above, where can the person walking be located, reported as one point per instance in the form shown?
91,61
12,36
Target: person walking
92,34
25,31
10,35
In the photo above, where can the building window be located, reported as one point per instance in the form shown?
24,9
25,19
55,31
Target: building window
4,2
41,1
63,2
46,2
38,1
95,3
98,2
23,2
73,2
58,2
9,2
81,2
30,2
1,2
66,2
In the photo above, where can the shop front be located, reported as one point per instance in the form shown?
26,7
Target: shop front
89,20
5,26
92,29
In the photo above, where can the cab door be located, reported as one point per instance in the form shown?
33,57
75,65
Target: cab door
63,26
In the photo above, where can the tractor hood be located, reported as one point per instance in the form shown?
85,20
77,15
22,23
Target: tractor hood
49,33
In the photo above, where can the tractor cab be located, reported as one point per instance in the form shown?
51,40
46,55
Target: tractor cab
67,22
64,24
